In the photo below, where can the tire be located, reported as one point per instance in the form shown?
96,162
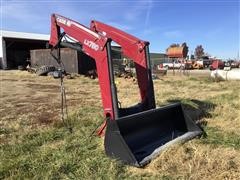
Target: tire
21,68
44,70
166,67
182,68
50,73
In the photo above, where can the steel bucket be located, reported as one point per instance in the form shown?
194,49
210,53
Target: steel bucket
138,138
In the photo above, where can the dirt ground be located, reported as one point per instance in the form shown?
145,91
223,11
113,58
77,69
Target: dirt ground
36,98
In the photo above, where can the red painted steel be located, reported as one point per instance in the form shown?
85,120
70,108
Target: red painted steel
93,45
132,47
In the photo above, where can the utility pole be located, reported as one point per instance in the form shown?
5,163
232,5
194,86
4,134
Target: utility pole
238,56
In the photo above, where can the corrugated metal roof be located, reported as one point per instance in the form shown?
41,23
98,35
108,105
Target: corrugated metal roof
24,35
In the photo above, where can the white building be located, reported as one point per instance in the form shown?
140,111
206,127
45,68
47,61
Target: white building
15,47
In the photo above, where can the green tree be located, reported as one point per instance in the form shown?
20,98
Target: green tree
199,51
185,49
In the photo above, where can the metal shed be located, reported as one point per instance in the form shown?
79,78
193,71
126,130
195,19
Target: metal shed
15,47
74,61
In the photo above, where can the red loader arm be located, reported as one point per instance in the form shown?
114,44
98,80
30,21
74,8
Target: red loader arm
94,45
138,51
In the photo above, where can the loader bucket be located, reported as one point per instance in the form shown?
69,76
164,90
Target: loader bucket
138,138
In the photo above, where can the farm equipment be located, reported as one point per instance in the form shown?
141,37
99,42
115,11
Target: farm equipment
217,64
136,134
197,65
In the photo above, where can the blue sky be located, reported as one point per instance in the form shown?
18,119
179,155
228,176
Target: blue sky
214,24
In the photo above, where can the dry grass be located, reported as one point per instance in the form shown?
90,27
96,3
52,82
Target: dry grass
194,161
34,143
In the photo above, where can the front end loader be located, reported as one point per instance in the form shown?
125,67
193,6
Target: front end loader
137,134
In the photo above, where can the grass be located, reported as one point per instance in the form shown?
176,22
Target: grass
34,144
215,137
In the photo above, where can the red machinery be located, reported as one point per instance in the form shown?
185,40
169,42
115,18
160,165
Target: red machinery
217,64
138,133
138,51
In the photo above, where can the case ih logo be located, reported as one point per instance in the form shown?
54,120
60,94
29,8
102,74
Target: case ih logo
91,44
63,21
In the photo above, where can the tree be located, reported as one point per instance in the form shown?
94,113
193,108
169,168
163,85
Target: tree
185,49
174,45
184,44
199,51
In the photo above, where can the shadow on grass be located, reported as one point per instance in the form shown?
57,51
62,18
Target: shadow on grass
196,110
